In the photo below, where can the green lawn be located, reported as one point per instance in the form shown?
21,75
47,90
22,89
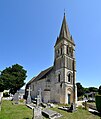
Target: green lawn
79,114
10,111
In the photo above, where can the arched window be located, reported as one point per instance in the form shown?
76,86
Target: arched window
69,78
59,77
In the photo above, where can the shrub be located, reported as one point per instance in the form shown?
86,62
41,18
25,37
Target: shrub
98,102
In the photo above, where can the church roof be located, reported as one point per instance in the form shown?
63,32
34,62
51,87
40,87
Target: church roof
31,80
41,75
64,32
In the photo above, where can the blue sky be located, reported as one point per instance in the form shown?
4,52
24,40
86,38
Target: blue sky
29,28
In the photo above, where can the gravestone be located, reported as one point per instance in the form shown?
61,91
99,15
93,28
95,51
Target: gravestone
29,96
73,107
85,104
40,97
37,113
16,98
38,101
51,114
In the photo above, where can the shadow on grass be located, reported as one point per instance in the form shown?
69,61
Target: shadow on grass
96,113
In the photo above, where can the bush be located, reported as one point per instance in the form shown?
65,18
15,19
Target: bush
98,103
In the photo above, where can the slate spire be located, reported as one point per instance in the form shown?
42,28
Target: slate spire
64,32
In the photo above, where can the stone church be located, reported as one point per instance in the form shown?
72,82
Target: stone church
58,83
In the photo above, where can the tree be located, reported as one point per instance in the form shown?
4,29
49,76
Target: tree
86,90
80,90
93,89
12,78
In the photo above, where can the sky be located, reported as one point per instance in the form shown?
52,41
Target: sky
29,29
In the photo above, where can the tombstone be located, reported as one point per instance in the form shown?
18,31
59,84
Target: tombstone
16,98
50,114
40,97
85,104
37,113
38,101
73,107
29,96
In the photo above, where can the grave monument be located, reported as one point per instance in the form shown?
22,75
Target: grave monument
29,96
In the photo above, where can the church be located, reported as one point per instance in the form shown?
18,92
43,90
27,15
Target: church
58,82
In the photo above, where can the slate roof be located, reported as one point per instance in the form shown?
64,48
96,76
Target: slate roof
64,32
31,80
41,75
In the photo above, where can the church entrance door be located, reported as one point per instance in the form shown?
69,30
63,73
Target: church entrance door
69,95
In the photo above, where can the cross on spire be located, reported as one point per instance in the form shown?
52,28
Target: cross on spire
64,12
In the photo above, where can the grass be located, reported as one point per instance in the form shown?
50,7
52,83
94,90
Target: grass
79,114
12,111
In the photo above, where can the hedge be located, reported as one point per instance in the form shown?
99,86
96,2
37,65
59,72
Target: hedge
98,102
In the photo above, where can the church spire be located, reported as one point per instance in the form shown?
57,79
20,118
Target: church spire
64,32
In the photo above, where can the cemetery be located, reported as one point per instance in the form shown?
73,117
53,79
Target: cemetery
36,109
16,111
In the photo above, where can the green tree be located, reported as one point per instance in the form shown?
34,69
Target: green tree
80,90
93,89
12,78
86,90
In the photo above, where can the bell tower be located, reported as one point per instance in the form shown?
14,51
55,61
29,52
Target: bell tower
64,63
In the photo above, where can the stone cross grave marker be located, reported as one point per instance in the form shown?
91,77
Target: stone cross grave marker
37,112
40,97
37,100
29,96
16,98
